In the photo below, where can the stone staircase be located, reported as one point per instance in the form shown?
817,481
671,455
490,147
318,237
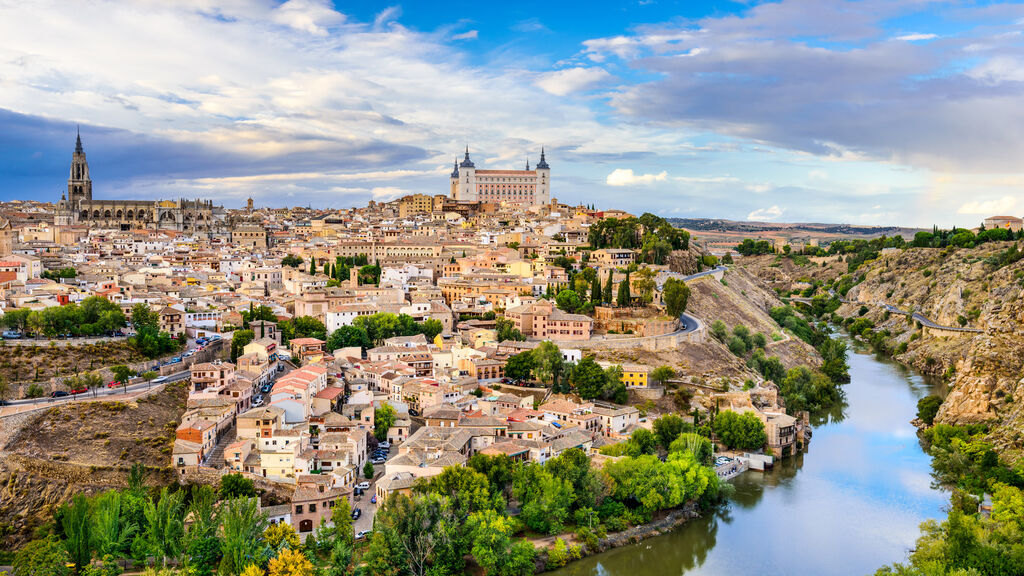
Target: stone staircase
215,459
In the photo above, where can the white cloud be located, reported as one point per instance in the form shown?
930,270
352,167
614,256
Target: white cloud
562,82
626,177
916,37
312,16
387,193
998,207
470,35
765,214
760,188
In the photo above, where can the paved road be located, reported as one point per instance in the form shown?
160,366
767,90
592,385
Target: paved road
102,391
718,268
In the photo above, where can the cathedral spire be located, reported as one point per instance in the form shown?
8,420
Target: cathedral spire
78,141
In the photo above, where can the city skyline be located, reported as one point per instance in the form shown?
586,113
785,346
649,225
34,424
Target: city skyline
885,113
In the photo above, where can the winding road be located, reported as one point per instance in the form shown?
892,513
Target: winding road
177,376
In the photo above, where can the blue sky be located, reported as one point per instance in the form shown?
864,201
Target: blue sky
870,112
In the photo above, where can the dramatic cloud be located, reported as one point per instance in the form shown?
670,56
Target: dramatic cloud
848,93
626,177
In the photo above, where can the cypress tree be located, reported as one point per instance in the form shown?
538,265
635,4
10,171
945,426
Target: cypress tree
595,291
623,296
327,269
312,266
334,272
607,296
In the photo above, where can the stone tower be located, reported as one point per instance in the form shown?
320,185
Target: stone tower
543,195
79,183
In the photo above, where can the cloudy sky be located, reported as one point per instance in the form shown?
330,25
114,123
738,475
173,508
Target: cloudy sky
871,112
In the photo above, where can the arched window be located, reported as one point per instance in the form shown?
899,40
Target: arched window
106,213
95,213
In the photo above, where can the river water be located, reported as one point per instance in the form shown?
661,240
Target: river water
849,505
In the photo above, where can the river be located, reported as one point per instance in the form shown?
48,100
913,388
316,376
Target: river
849,505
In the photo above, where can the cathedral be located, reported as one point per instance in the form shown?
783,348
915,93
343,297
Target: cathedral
79,208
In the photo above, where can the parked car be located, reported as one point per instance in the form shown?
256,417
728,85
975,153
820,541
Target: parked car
356,513
363,485
363,534
257,399
374,499
413,412
12,334
58,394
376,461
113,384
385,445
79,390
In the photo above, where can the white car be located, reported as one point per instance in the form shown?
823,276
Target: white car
160,380
385,445
363,534
363,485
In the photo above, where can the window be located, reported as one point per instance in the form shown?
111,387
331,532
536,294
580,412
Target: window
298,508
312,508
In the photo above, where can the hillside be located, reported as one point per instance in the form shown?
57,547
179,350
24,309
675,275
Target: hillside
740,300
82,447
951,287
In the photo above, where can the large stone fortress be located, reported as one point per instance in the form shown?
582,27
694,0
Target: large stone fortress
522,187
78,207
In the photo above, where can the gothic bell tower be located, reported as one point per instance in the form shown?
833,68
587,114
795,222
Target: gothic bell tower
79,183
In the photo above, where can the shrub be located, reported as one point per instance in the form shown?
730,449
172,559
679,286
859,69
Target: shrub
927,408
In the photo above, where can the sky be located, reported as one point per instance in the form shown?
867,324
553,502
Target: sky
865,112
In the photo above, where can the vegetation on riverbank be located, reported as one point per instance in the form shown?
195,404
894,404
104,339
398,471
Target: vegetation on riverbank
486,513
986,540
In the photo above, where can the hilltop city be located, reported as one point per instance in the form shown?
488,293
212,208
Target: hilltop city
598,375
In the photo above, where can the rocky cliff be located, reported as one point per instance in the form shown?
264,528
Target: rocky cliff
958,288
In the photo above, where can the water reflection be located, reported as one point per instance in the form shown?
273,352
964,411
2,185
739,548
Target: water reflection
848,506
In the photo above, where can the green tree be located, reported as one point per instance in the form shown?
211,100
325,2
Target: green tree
493,548
520,366
122,374
383,420
595,290
927,408
142,316
663,374
44,557
348,337
719,330
111,530
669,427
239,340
623,299
291,260
164,526
545,499
416,524
569,301
675,294
588,378
606,294
548,362
242,528
506,330
233,486
699,446
368,470
76,523
740,431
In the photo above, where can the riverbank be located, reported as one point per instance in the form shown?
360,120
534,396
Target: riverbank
670,521
850,504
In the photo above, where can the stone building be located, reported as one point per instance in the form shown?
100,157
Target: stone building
77,207
523,187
